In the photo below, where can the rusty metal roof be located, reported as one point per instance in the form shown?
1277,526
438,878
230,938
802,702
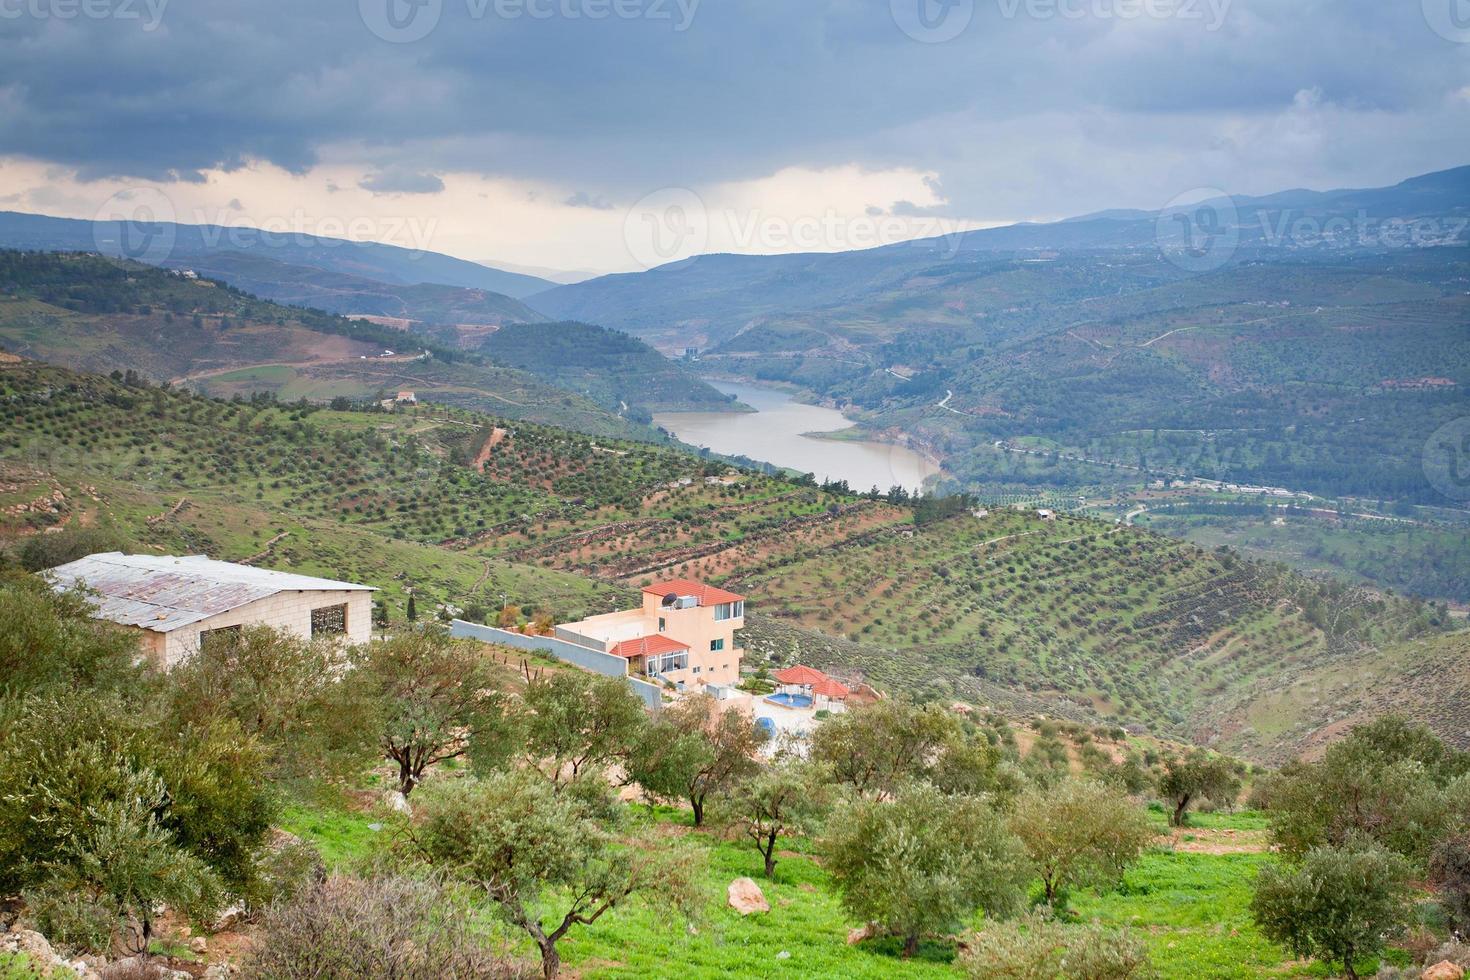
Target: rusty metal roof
163,592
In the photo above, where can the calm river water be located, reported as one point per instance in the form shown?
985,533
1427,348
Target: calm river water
776,432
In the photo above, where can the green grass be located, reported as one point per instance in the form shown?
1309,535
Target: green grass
1191,909
341,836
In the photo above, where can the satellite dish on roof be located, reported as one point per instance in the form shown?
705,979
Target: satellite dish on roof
671,598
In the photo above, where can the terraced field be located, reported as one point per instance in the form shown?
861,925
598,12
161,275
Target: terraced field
1071,616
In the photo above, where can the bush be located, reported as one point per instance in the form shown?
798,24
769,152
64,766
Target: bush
1039,948
1449,870
346,928
1339,905
72,920
925,862
44,551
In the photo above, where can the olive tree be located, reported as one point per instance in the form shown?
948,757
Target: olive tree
787,796
285,691
1079,834
427,698
572,721
695,750
1197,775
541,855
102,801
924,861
50,639
878,747
1393,783
1338,905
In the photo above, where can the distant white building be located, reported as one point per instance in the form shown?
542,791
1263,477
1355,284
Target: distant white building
178,603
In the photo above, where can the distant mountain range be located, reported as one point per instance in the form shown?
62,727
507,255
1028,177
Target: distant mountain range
369,260
1304,339
704,301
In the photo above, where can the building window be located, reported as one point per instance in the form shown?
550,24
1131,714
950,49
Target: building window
729,610
328,620
716,645
663,624
667,662
213,639
698,669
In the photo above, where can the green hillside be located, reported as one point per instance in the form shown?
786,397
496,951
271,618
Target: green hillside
93,314
339,292
609,367
1073,616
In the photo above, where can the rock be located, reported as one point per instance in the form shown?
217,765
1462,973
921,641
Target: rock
31,944
1443,970
396,801
198,945
855,936
783,955
229,919
746,897
221,971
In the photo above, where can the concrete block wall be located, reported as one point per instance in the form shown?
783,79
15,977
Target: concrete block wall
288,611
584,657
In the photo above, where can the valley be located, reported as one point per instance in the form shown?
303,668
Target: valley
1068,616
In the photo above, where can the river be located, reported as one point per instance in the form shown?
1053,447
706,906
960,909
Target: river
776,432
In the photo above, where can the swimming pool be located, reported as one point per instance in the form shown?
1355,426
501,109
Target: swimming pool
790,700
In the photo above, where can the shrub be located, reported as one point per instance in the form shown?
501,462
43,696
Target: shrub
346,928
925,862
1339,905
1040,948
1079,833
1449,870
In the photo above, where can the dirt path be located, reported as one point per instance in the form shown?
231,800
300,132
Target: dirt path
497,436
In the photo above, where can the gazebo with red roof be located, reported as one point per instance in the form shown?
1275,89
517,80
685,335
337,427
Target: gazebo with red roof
800,676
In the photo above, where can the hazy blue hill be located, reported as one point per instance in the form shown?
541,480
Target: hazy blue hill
335,292
372,260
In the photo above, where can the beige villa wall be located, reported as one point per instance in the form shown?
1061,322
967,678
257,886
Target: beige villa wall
697,627
289,611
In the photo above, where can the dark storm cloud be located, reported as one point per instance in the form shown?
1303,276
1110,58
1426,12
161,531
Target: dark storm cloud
624,96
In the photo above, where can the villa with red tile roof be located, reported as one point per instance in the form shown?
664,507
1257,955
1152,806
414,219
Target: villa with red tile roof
683,634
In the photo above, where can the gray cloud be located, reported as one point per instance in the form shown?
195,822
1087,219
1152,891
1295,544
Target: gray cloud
1021,115
395,181
582,199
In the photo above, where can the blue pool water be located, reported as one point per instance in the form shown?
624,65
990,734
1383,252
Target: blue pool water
790,700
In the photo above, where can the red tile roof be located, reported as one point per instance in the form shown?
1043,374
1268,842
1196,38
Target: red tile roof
648,646
828,688
708,595
800,675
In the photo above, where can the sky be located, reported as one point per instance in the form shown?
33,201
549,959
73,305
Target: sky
609,135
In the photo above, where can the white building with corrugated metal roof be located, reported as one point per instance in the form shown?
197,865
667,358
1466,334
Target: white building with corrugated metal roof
179,603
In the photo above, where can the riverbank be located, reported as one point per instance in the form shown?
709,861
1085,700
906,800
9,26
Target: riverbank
804,437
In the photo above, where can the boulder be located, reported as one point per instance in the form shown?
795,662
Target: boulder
31,944
855,936
1443,970
198,945
746,897
397,802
